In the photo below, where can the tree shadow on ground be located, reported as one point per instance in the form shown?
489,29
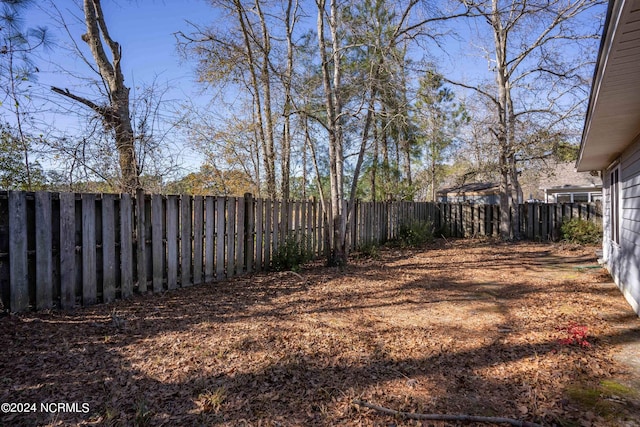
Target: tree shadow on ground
296,350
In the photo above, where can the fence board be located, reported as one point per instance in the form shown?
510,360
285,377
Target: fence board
18,268
231,236
268,224
44,251
309,231
209,238
295,221
259,233
126,248
303,225
108,248
315,240
556,219
220,233
141,255
67,250
198,230
249,231
185,241
89,282
241,237
275,234
544,217
157,249
172,242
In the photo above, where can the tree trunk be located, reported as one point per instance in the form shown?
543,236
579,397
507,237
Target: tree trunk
374,161
503,132
331,85
115,115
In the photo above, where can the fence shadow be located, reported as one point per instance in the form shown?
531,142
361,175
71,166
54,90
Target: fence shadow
312,341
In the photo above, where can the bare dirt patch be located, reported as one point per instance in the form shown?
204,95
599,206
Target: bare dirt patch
527,331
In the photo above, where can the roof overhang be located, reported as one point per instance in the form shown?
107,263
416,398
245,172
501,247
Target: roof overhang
573,189
613,115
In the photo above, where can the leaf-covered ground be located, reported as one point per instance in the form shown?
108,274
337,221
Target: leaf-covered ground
527,331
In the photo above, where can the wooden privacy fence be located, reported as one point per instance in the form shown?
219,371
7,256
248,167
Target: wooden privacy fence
65,249
533,221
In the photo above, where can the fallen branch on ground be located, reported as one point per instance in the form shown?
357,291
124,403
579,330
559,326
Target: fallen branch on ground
445,417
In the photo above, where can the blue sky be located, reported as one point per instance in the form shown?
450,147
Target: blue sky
145,30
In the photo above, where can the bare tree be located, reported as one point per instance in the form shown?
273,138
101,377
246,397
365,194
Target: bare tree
538,59
242,53
114,112
331,66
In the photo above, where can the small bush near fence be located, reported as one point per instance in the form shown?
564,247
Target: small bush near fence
291,254
581,231
415,233
368,250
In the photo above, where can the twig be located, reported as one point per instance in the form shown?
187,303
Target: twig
445,417
292,272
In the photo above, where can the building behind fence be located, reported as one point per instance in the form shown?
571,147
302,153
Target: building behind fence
61,250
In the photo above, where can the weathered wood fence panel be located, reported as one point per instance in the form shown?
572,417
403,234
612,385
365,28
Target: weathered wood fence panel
64,249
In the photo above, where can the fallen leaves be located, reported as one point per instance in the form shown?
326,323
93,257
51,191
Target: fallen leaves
467,327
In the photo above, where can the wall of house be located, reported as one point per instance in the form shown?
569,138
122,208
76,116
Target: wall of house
623,258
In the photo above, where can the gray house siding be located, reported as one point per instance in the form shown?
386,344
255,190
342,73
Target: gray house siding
623,258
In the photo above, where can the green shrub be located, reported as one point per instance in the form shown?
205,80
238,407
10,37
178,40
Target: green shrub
415,233
581,231
291,254
369,250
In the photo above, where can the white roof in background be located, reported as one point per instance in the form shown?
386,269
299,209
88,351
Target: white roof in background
613,116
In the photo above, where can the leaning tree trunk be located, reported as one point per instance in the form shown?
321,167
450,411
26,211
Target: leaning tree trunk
115,114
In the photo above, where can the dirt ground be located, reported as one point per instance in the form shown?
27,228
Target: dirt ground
533,332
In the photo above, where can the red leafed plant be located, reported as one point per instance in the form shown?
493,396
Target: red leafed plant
577,334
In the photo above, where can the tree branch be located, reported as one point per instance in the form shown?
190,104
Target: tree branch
102,111
445,417
475,88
